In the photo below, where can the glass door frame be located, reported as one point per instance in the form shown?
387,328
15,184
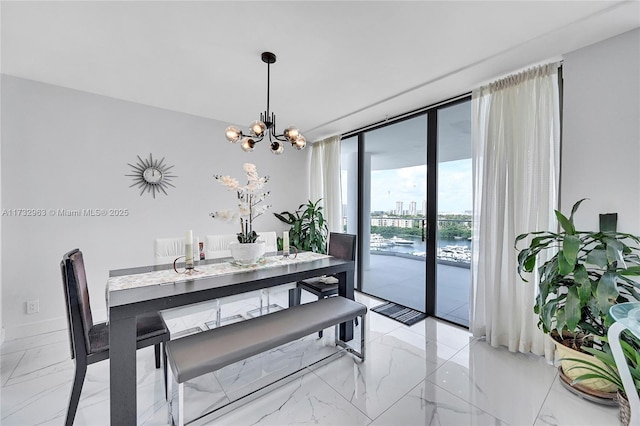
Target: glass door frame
431,214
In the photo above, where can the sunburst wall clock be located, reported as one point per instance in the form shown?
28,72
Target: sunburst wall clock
151,176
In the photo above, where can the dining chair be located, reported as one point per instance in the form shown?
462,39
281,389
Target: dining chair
166,250
89,341
342,246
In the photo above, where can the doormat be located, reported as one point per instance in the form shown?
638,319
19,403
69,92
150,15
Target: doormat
406,316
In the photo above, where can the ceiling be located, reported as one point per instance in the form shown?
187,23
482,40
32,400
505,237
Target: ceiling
340,65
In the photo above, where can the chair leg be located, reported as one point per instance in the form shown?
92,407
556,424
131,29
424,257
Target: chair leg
156,347
76,390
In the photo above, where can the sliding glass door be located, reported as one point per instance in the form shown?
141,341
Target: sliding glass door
455,204
407,195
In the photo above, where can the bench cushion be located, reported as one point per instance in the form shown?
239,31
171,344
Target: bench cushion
205,352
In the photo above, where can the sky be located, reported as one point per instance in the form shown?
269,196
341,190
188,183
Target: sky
409,184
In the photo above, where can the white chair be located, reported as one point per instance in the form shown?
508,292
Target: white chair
166,250
217,246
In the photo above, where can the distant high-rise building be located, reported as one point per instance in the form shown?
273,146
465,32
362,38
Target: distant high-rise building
412,208
398,208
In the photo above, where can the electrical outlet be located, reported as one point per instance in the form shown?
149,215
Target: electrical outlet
33,306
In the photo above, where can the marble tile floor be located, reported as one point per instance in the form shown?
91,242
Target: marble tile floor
432,373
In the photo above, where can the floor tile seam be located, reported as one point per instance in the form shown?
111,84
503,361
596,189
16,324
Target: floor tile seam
544,400
399,399
22,378
10,376
339,394
29,347
430,340
44,393
495,416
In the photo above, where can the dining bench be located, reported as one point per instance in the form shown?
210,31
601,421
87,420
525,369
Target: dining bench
198,354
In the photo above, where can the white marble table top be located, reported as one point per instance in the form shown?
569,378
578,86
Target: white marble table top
169,276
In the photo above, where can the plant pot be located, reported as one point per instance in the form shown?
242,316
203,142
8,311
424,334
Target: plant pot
572,373
247,253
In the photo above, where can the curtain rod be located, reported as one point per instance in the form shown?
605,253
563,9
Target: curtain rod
399,117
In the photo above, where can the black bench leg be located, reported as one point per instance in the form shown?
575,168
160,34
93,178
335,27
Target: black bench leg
156,347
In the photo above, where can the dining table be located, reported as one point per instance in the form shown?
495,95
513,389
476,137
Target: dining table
139,290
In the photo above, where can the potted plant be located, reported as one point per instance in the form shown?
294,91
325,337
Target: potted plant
606,370
248,249
586,274
308,228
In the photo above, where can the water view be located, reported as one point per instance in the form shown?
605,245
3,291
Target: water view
454,250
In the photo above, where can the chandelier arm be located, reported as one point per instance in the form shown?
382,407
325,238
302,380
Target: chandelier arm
268,86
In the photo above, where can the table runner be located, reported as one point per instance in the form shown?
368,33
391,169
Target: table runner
169,276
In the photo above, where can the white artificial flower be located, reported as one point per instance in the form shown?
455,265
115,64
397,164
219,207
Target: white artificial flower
244,209
257,211
226,215
248,197
229,182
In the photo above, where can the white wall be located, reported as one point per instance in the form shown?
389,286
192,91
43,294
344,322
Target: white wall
601,134
65,149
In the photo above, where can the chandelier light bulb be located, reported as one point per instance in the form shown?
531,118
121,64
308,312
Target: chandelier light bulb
258,128
233,134
291,133
247,144
277,148
300,142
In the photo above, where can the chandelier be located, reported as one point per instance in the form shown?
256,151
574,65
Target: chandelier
266,126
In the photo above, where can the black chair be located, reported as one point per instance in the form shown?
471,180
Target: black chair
89,341
342,246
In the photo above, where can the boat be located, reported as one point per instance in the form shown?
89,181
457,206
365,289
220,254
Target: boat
459,254
378,241
400,241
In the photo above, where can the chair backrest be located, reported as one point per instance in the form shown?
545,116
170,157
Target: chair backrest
217,246
166,250
76,292
342,246
271,240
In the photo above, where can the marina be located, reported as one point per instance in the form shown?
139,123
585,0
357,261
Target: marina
457,250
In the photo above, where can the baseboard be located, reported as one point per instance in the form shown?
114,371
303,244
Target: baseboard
20,331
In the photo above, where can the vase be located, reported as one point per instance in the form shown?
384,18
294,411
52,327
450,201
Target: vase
247,253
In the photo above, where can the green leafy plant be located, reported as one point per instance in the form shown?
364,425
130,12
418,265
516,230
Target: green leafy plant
308,227
589,273
609,373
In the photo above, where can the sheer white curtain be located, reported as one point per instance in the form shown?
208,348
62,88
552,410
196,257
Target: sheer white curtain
516,153
325,180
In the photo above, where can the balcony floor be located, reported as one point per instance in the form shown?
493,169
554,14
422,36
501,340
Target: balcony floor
402,280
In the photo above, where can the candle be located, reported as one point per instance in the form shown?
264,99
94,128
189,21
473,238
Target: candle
285,242
188,248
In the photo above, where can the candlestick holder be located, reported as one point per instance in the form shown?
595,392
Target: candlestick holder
287,254
189,269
